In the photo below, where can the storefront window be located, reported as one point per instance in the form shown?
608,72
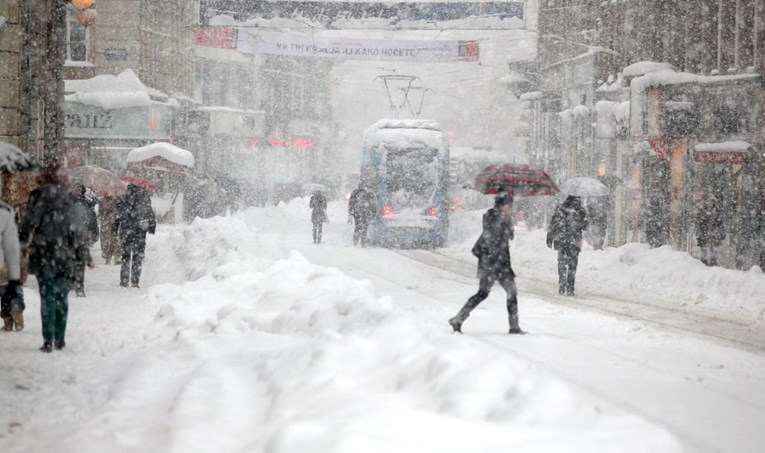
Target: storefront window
76,39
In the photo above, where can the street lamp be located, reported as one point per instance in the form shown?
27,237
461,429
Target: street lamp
82,4
84,15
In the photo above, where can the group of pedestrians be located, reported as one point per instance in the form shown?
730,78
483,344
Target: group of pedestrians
493,252
58,227
361,208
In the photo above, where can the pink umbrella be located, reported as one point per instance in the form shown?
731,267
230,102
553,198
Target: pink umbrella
140,182
100,180
514,179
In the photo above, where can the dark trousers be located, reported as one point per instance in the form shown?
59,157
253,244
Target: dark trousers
317,232
568,259
131,267
54,307
360,231
484,288
79,276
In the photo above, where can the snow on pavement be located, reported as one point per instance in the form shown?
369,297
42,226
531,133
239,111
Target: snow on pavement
268,347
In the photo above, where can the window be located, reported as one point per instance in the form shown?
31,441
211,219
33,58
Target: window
76,39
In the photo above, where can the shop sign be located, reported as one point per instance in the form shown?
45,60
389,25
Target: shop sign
115,54
87,121
721,157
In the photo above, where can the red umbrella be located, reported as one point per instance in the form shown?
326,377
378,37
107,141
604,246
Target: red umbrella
514,179
99,180
140,182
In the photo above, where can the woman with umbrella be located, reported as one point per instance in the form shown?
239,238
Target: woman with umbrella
492,248
55,247
493,253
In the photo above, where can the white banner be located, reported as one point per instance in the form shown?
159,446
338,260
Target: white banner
302,45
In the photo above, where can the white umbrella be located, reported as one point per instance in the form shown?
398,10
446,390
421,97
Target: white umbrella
313,187
13,160
584,187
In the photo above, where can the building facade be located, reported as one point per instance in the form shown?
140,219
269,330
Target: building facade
31,82
662,99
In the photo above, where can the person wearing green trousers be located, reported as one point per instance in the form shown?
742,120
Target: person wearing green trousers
56,243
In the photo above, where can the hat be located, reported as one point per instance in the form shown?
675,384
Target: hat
503,198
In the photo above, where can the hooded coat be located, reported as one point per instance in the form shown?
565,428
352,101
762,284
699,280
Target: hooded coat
492,248
56,240
134,219
710,230
567,224
318,205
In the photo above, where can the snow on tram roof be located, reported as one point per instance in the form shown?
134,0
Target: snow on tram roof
406,134
405,124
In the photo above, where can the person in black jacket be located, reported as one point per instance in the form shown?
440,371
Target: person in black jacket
493,252
135,218
565,236
361,207
55,245
318,205
710,230
87,222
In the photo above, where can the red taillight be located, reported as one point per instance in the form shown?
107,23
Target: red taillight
433,211
387,210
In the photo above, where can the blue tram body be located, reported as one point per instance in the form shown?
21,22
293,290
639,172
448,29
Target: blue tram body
405,163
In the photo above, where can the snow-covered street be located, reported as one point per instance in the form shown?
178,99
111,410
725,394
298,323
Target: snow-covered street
245,336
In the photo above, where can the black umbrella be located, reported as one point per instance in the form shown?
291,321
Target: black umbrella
14,160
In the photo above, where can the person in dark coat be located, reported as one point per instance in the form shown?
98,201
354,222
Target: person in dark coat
55,245
654,219
135,218
597,215
493,252
710,230
87,222
110,241
565,236
361,208
318,205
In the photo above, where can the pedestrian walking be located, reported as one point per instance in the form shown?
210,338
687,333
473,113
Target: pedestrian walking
318,205
361,208
135,218
11,293
565,236
710,230
87,224
597,215
493,252
110,241
49,227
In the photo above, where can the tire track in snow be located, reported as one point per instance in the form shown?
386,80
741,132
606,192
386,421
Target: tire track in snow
747,336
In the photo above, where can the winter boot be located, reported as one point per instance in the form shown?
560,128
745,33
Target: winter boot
456,322
17,316
7,324
59,344
46,347
514,327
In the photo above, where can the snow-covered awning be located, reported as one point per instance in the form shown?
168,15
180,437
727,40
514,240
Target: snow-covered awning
111,92
164,150
730,152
